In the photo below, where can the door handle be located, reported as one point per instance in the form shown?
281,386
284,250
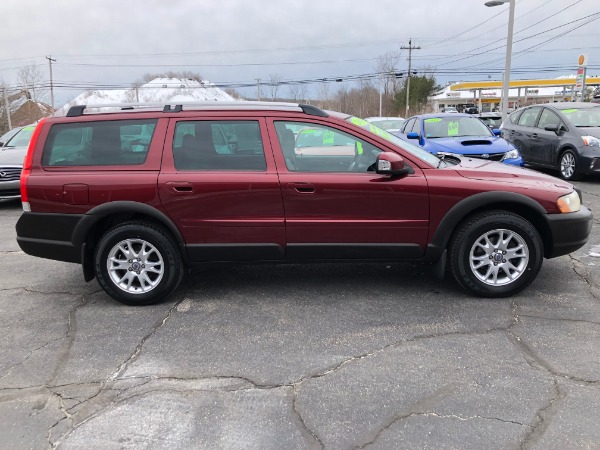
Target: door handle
534,136
181,187
302,188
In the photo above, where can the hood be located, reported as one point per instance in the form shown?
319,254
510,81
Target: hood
12,156
480,169
469,145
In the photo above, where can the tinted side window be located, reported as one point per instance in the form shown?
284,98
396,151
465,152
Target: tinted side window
319,148
548,118
529,117
218,145
105,143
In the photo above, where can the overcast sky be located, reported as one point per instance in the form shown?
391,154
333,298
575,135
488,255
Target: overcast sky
115,42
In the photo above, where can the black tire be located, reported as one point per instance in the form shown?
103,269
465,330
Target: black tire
474,266
147,277
568,167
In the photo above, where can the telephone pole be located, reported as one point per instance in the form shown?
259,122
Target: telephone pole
257,89
50,61
410,48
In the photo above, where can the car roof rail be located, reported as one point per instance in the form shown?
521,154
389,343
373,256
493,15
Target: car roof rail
174,107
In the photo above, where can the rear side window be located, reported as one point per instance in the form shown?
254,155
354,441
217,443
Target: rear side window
105,143
529,117
218,145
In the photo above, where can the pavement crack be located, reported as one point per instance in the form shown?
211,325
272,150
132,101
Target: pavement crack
581,271
138,349
535,360
543,417
316,442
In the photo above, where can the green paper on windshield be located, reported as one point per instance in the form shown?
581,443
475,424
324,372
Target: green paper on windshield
359,122
452,128
328,138
436,119
28,128
569,111
379,132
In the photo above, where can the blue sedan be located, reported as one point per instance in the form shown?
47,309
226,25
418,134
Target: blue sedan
460,134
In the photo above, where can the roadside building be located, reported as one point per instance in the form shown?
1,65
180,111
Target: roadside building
485,95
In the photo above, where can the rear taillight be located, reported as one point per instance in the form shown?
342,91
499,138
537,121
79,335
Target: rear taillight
27,164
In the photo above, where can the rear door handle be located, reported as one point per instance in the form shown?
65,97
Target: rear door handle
534,136
302,188
181,187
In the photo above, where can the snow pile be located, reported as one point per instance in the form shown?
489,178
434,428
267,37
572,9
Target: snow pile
159,90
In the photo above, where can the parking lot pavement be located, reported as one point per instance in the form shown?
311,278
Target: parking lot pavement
334,356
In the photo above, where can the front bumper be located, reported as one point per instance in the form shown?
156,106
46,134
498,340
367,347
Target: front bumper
589,160
9,182
569,231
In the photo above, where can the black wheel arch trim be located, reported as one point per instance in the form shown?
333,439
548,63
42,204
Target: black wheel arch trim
96,214
465,207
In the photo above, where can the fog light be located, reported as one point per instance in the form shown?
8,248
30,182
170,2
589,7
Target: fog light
593,163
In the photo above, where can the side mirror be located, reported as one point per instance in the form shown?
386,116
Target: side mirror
1,144
413,135
392,164
497,131
552,127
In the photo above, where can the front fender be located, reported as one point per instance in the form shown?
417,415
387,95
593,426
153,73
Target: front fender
467,206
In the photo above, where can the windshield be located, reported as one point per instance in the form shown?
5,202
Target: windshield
442,127
413,149
388,124
22,138
583,117
8,135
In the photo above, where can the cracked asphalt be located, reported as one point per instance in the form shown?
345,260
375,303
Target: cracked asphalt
367,356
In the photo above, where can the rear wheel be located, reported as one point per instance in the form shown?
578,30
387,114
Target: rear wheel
568,166
495,254
138,263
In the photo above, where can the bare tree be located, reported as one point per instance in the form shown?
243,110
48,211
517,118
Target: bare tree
33,84
298,92
386,68
274,83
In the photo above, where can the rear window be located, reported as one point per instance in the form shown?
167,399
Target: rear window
105,143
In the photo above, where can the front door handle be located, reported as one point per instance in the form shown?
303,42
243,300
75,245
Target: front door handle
181,187
302,188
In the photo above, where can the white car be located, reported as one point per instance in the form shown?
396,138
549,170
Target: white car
389,124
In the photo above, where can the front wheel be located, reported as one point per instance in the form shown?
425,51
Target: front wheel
495,254
138,263
568,166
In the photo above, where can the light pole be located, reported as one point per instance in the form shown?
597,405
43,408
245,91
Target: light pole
509,39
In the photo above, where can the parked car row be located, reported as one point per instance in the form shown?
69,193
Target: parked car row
560,136
563,136
459,134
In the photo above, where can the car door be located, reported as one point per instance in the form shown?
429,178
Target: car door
544,144
336,207
221,189
520,133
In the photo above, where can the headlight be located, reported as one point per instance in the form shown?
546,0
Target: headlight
591,141
511,154
569,203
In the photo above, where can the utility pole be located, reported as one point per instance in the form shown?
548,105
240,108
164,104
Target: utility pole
410,48
257,89
50,61
7,109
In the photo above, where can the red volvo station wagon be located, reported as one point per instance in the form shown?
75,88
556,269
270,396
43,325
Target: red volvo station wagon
138,193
